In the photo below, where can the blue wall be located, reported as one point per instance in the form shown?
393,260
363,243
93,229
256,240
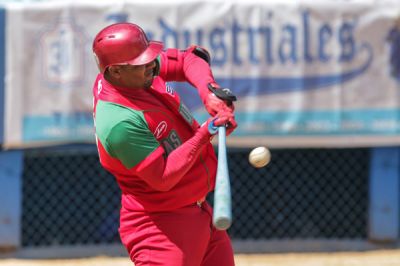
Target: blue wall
11,164
384,210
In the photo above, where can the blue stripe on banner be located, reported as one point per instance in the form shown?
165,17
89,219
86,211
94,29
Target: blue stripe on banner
77,126
312,123
2,71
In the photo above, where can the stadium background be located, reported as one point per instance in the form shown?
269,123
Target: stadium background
324,196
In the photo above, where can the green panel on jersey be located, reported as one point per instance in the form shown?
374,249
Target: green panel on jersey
124,133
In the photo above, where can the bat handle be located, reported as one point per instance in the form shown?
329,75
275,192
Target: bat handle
222,136
212,129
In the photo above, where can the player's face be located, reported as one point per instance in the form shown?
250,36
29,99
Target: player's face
137,76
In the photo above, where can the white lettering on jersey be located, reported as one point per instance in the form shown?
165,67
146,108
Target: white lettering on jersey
161,128
169,90
99,87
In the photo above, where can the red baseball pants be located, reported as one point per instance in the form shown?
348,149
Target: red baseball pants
183,237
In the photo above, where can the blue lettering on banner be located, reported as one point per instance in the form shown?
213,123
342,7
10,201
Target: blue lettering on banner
393,40
117,17
283,45
275,45
285,51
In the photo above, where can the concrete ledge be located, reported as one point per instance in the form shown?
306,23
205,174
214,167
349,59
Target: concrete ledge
240,246
299,245
75,251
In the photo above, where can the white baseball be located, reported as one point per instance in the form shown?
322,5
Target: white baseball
259,157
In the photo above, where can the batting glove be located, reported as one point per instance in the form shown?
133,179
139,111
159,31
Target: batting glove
218,99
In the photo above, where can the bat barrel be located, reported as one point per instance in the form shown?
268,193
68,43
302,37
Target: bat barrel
223,223
222,215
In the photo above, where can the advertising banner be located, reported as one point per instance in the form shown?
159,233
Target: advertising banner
306,74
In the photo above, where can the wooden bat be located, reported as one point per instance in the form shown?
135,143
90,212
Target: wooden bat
222,214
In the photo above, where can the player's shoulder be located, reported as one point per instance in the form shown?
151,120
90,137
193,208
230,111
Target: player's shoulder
115,122
113,113
109,114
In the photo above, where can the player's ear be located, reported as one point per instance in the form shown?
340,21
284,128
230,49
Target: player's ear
114,71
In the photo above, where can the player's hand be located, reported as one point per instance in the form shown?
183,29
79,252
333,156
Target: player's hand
223,118
214,104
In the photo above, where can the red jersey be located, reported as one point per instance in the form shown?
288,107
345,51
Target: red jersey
137,127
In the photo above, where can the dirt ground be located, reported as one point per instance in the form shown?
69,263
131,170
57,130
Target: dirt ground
368,258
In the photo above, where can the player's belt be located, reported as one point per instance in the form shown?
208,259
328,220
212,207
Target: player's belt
200,201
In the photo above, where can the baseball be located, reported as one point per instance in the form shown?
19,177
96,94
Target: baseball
259,157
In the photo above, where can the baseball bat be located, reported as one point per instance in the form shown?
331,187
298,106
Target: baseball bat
222,213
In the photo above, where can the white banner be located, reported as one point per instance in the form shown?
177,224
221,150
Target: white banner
306,74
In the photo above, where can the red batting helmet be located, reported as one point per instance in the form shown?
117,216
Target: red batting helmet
124,43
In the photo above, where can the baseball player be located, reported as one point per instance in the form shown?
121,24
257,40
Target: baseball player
160,156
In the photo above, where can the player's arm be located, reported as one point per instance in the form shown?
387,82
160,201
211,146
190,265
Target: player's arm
137,149
193,65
